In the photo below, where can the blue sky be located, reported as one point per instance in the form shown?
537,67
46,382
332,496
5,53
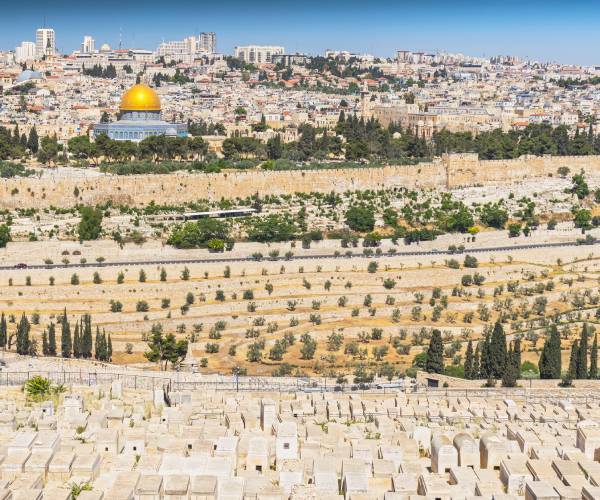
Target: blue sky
550,30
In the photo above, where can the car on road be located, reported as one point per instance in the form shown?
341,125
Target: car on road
21,265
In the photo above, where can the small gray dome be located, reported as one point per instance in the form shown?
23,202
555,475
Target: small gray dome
29,75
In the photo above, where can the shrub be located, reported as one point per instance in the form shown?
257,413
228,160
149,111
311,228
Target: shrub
388,284
37,387
116,306
360,218
199,234
90,225
470,261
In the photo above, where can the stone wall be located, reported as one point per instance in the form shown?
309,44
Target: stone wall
452,170
182,187
467,170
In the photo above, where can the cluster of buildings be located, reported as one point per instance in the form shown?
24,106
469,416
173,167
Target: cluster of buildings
44,46
186,50
109,442
419,91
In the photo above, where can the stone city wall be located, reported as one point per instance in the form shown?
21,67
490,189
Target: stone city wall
467,170
453,170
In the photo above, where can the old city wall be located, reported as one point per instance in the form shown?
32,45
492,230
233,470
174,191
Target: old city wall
450,171
468,170
182,187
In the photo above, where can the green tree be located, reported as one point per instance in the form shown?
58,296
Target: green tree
33,140
582,354
550,363
582,218
497,351
580,187
435,353
52,339
469,361
45,347
517,354
90,225
3,332
5,236
572,372
511,371
594,359
66,342
164,349
360,218
86,336
23,329
198,234
49,149
273,227
76,342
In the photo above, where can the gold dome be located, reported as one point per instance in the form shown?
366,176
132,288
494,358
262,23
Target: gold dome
140,98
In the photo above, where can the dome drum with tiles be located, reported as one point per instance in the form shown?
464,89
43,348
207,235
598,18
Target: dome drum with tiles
140,117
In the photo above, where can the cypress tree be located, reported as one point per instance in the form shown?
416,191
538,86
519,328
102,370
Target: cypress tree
45,348
550,363
476,369
109,350
469,361
594,358
517,355
87,337
509,377
497,351
66,343
23,329
76,342
52,339
3,332
435,353
573,360
33,140
543,362
484,366
582,354
97,344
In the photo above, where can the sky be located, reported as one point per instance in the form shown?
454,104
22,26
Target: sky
546,30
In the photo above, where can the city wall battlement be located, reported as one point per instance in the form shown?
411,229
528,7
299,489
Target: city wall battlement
451,171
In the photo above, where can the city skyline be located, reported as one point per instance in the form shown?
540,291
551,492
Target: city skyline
551,31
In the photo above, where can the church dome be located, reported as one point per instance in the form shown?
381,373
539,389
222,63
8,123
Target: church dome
140,98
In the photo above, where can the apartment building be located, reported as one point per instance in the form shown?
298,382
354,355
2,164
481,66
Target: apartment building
258,54
45,42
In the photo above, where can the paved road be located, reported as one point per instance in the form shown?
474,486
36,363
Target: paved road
506,248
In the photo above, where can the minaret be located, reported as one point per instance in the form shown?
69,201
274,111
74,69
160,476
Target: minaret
364,100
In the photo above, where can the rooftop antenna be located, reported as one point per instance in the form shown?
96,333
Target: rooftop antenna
120,38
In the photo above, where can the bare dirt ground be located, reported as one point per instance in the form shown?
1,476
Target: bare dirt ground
376,323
